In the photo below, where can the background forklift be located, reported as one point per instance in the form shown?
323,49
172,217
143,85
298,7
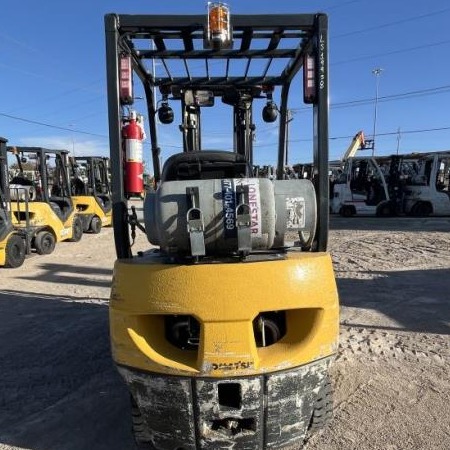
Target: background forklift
225,332
91,193
371,186
43,205
428,190
13,242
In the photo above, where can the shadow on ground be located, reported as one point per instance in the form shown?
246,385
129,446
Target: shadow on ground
72,274
60,389
390,223
418,300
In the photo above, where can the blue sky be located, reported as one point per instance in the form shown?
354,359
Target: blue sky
53,72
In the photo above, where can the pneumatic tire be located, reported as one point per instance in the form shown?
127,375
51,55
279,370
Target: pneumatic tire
15,251
422,209
44,243
385,210
140,433
96,225
346,211
77,229
323,408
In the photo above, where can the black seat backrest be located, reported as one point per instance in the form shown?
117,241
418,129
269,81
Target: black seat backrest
21,180
205,165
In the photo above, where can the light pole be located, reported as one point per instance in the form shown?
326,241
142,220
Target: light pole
73,139
398,139
377,73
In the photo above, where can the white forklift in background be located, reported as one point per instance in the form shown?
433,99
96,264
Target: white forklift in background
361,188
428,192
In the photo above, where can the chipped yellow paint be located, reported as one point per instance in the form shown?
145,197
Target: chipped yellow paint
224,298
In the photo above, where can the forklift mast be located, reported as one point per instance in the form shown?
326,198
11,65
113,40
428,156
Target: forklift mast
96,174
283,43
4,176
5,219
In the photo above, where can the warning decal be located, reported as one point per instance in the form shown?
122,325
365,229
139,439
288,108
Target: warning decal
254,202
229,204
133,150
295,207
229,209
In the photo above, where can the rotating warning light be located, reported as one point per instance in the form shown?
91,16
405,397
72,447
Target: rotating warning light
125,79
218,27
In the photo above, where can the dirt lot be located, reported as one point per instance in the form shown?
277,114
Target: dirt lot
59,389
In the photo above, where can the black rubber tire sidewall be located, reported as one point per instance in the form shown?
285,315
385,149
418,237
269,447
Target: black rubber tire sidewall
346,211
323,407
15,251
77,227
96,225
44,243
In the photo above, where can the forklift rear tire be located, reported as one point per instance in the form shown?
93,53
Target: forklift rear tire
385,210
44,243
141,436
96,225
346,211
323,408
77,229
15,251
422,209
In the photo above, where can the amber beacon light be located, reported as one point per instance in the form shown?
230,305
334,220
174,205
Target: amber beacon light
219,30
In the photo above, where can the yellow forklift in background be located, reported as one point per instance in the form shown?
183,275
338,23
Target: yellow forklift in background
13,241
91,193
224,333
41,203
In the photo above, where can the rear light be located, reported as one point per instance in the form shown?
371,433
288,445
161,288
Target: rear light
125,80
219,29
309,79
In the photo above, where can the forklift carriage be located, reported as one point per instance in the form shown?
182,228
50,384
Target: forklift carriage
225,331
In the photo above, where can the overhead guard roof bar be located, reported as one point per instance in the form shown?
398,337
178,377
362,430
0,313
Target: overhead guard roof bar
259,39
275,38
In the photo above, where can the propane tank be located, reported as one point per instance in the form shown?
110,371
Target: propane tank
133,136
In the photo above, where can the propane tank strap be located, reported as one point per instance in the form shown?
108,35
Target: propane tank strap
195,223
243,220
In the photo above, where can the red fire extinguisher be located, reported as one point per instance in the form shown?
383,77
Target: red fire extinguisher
133,136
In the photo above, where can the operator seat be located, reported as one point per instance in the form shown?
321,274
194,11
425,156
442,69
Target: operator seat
205,165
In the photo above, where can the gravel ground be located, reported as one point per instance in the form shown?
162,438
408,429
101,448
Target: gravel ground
392,390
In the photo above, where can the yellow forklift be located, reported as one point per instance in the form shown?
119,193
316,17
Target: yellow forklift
225,328
41,201
13,242
91,193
